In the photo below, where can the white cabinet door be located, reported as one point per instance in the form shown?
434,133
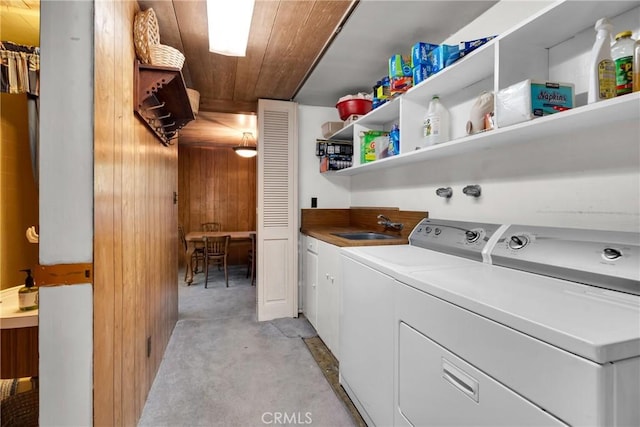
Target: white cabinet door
329,273
310,275
366,341
277,216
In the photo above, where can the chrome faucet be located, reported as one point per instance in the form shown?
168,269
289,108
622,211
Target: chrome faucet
383,220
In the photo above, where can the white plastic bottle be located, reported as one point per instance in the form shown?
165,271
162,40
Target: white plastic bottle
436,125
622,55
602,69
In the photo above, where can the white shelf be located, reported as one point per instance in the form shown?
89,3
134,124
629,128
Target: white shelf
605,113
517,54
468,70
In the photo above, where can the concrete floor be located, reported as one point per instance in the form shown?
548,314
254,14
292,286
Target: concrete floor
223,368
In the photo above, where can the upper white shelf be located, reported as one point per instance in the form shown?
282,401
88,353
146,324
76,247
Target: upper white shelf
603,113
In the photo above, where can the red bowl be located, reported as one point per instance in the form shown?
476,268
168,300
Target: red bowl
353,106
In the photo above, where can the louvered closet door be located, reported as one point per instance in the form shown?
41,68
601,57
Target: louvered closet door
277,210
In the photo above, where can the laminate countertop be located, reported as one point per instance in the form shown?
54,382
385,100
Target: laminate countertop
326,234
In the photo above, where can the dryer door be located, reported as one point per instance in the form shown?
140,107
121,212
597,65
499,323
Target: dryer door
437,388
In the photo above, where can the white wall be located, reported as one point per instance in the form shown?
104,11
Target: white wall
331,191
66,210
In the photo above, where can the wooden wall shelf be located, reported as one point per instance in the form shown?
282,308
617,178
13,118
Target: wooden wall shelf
161,100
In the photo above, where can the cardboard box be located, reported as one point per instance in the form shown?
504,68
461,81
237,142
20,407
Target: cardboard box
401,84
531,98
420,73
329,128
467,47
420,53
399,66
441,57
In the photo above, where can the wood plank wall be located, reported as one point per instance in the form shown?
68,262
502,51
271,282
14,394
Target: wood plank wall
217,185
19,352
135,230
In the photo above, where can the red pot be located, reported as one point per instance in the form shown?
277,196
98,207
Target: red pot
353,106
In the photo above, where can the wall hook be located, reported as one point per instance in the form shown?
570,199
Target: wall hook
472,190
446,192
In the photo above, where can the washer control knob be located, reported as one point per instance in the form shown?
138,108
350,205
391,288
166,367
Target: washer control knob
437,231
472,235
611,254
427,230
518,241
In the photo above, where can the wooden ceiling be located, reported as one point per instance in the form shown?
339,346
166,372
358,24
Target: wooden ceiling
286,39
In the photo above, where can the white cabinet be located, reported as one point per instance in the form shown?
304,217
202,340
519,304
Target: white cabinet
310,279
552,45
366,341
329,278
321,289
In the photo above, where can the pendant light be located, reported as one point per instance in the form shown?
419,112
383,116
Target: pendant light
246,149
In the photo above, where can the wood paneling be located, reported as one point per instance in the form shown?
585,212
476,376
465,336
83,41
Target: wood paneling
135,230
19,352
311,218
217,185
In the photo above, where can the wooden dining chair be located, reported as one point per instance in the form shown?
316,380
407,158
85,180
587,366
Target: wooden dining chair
216,250
211,226
198,254
251,259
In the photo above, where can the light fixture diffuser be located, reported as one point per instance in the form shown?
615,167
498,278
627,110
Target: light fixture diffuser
246,150
229,23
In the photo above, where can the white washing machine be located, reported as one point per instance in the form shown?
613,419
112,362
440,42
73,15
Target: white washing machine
367,309
548,335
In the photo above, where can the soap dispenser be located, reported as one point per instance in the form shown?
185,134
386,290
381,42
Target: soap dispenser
28,294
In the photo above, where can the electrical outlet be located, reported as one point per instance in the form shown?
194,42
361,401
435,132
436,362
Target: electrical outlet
314,202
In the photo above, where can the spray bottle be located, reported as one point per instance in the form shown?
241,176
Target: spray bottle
602,69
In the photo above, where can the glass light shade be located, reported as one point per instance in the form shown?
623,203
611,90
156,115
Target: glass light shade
246,150
229,23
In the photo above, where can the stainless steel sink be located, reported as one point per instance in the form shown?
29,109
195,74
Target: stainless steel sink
365,235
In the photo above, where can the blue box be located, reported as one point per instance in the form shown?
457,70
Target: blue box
550,97
420,52
441,57
469,46
420,73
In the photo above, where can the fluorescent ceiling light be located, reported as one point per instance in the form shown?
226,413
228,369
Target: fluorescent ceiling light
229,24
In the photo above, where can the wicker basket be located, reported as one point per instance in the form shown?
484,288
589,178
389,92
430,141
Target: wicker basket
166,56
145,34
194,100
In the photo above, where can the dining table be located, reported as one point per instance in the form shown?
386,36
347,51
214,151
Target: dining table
195,237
